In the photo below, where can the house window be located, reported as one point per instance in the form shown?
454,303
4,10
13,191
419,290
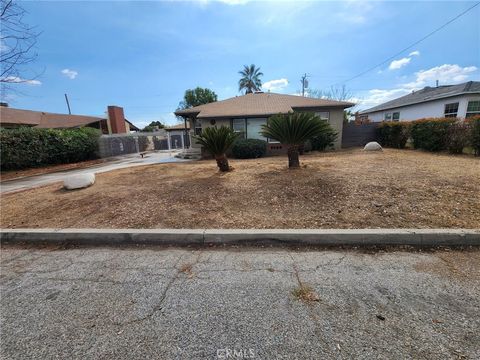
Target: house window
473,108
451,110
396,116
324,115
238,126
254,128
388,117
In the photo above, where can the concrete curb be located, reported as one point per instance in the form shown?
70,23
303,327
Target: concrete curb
306,237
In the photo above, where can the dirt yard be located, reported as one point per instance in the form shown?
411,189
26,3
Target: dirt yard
347,189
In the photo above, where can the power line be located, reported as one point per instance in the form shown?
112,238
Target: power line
410,46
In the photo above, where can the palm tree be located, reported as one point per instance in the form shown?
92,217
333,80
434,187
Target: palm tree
293,129
217,141
250,80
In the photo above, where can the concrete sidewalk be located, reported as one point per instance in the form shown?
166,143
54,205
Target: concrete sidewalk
119,162
154,303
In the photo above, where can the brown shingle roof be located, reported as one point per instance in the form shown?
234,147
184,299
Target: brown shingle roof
260,104
43,119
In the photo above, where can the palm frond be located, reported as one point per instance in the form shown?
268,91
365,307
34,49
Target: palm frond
216,140
294,128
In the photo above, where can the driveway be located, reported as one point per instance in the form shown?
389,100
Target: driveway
117,163
226,303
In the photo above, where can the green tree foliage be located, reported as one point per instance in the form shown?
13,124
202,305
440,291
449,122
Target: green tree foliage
27,147
250,80
217,141
293,130
196,97
153,126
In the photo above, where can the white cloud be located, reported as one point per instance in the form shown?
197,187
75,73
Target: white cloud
71,74
19,80
445,74
275,85
397,64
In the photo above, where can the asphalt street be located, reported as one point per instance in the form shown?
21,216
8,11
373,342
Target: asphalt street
238,303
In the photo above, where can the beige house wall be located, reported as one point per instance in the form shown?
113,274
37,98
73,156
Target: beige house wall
336,122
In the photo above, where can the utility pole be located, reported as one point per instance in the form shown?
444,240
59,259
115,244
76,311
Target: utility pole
68,104
304,83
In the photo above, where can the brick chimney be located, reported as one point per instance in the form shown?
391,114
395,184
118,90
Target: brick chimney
117,119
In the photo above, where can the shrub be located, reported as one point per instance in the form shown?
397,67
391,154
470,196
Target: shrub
249,148
475,134
458,137
26,147
324,141
432,133
393,134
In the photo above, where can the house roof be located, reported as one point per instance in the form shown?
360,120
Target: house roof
428,94
259,104
180,126
48,120
43,119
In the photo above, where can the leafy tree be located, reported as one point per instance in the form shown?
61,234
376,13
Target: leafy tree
153,126
217,141
293,130
196,97
250,80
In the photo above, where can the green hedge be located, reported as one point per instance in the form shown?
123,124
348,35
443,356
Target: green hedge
393,134
474,123
249,148
431,134
27,147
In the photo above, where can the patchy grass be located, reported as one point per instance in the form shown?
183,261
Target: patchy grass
305,293
346,189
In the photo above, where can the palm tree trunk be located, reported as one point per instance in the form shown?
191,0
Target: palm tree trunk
293,160
222,162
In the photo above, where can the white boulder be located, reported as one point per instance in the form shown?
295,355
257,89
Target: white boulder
372,146
79,181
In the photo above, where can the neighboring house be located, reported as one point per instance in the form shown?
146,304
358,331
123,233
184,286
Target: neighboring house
462,101
247,113
114,123
177,137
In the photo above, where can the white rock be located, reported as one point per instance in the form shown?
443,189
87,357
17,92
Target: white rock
79,181
372,146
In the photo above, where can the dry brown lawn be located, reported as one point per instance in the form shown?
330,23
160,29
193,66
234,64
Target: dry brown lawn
347,189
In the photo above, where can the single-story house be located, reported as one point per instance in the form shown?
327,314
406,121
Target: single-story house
461,101
113,123
247,113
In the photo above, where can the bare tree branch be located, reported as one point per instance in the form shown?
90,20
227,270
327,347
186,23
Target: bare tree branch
17,43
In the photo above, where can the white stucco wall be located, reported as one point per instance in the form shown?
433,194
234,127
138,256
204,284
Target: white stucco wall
434,108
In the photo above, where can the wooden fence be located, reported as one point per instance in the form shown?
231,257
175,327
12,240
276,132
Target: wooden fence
358,135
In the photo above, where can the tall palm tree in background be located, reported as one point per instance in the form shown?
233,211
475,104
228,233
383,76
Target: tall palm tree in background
293,130
217,141
250,80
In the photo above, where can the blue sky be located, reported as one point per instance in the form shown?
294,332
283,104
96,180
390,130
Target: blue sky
144,55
